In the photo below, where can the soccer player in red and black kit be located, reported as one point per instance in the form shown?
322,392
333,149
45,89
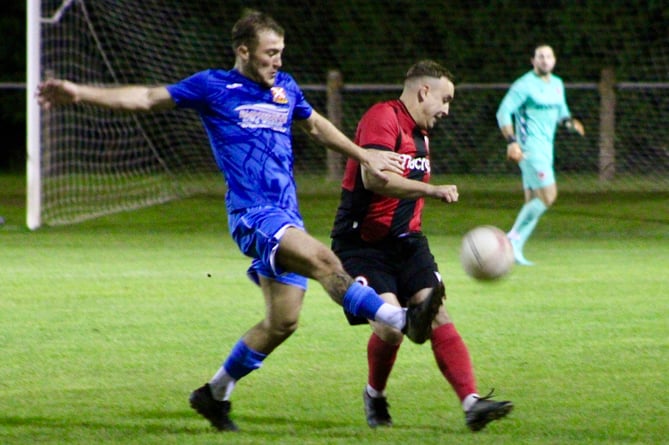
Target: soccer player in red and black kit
377,234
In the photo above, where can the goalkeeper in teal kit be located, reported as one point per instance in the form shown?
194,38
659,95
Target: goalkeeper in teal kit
528,117
248,113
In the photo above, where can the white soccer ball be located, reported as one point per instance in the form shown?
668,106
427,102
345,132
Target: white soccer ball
486,253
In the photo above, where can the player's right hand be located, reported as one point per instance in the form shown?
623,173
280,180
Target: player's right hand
514,152
378,162
578,127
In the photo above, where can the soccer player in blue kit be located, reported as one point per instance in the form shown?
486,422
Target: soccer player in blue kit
248,112
535,104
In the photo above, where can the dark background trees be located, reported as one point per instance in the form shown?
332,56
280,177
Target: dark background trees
374,42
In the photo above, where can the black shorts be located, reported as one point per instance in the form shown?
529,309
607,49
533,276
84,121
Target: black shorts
401,266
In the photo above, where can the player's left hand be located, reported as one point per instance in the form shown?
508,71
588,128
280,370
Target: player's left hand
447,193
378,161
578,127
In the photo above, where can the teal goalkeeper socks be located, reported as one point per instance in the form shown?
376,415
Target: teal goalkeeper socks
526,221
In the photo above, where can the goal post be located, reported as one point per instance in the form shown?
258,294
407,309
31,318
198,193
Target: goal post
33,116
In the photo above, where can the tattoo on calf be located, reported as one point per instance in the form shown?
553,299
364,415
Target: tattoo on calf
337,284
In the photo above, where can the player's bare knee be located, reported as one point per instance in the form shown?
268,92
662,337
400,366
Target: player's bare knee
283,329
388,334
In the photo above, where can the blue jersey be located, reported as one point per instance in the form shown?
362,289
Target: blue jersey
537,107
249,127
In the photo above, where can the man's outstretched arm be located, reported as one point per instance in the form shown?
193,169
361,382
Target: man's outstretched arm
57,92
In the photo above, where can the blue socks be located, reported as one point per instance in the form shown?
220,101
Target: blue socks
359,300
362,301
242,360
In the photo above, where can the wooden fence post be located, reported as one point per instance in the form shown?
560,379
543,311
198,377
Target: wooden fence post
607,125
335,161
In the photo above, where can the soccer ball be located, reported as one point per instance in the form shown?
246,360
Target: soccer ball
486,253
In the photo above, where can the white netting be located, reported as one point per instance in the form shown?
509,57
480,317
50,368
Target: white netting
96,162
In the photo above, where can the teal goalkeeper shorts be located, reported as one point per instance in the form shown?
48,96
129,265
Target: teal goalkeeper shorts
537,172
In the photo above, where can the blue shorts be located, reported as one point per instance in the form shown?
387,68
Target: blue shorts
537,172
257,231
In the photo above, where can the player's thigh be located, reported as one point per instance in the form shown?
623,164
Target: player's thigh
301,253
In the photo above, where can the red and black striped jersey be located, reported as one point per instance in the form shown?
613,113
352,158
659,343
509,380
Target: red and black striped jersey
373,217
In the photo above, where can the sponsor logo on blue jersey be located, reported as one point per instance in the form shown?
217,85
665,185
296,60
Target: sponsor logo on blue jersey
263,116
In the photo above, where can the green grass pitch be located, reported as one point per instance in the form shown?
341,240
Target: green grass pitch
106,326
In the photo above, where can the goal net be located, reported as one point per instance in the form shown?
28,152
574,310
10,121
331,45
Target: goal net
94,162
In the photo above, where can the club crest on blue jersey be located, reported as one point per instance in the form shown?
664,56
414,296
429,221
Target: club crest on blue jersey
279,95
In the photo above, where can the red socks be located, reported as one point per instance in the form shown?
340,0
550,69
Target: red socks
380,358
450,352
453,359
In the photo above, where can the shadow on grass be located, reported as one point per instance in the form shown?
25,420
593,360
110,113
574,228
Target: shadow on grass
158,422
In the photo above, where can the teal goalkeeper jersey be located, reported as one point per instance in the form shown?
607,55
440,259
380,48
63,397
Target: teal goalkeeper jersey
535,107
